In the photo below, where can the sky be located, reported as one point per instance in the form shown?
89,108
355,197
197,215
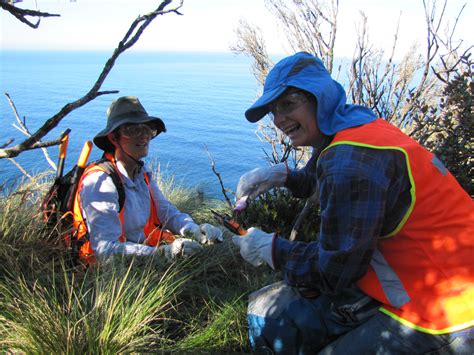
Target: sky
209,25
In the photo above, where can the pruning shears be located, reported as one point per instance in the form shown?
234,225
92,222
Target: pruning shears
230,223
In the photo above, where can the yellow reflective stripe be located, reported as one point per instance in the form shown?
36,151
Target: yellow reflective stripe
409,324
410,176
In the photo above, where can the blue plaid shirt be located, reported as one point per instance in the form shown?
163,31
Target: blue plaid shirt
364,194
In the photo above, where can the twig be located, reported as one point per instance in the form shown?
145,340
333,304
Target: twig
23,171
7,143
311,203
223,189
130,38
23,129
21,14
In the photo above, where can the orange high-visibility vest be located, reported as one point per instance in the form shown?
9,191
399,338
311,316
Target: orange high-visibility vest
422,271
154,233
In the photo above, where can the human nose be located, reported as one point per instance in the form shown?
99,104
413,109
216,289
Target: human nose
278,118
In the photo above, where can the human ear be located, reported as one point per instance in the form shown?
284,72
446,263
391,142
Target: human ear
113,138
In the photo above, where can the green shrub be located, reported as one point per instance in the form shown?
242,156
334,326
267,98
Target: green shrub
277,211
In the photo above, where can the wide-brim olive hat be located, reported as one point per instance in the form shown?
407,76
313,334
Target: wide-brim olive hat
126,109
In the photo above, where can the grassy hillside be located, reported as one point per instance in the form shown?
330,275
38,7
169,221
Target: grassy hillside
125,305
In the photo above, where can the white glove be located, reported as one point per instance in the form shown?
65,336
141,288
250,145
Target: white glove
260,180
255,246
205,233
180,247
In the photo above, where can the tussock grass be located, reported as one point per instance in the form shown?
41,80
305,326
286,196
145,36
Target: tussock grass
111,310
127,304
188,200
223,330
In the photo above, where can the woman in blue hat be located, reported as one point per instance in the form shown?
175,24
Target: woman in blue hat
391,271
145,222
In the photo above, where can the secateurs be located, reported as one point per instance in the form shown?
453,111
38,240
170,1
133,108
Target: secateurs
230,223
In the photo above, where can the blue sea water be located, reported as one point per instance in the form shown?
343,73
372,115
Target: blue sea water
200,96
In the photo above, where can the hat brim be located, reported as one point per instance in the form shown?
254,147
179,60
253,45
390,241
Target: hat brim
101,140
260,107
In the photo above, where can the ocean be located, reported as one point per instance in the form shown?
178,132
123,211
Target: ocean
200,96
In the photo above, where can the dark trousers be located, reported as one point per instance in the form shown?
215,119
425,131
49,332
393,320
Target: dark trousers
282,321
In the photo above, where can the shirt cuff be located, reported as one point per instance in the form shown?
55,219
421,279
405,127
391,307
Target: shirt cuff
280,250
292,179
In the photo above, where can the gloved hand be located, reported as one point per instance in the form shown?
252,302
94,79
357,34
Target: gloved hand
258,181
180,247
255,246
205,233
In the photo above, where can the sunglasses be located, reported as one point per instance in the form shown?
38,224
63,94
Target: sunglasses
288,103
138,130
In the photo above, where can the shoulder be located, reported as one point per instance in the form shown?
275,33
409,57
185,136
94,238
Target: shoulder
351,160
99,180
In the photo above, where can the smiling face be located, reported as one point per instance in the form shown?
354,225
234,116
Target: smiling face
133,139
294,113
137,147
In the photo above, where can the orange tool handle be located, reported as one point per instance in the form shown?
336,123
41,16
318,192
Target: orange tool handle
63,146
235,227
62,154
85,152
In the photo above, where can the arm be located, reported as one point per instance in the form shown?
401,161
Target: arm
356,186
181,223
100,209
303,182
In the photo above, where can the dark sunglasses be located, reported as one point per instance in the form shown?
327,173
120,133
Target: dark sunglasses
137,130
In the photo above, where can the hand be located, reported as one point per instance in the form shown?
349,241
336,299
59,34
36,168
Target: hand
260,180
210,234
205,234
180,247
255,246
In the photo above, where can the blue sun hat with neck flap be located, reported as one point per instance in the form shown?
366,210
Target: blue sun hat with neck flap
307,72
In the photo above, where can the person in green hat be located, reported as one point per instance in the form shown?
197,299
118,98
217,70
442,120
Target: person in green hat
144,223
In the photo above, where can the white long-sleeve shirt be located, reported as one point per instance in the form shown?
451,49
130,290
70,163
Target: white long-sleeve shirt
100,209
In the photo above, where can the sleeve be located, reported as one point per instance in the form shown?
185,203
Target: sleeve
353,186
303,182
100,208
171,218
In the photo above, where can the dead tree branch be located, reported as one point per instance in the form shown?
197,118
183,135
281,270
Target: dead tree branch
311,203
7,143
130,38
223,189
309,25
250,42
24,129
23,171
21,14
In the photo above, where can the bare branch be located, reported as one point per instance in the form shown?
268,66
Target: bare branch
7,143
21,14
310,205
223,189
23,171
251,43
130,38
309,25
23,129
34,141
